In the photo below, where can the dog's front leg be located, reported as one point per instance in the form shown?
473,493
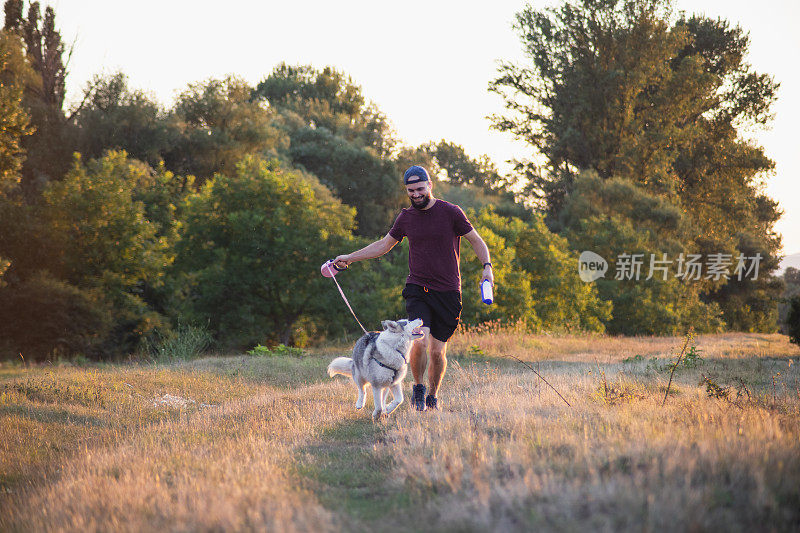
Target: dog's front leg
397,397
386,395
361,394
377,395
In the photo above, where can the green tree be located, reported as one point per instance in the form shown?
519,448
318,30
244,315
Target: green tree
561,300
472,197
14,126
536,277
623,89
614,217
86,261
103,241
14,121
218,124
49,148
407,156
791,282
251,249
339,137
462,169
115,117
356,175
793,319
328,99
513,300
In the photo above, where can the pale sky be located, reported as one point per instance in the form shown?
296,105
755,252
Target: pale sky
426,64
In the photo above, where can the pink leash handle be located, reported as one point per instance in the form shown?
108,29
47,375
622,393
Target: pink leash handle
329,269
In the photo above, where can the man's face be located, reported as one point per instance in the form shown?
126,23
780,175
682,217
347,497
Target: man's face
419,193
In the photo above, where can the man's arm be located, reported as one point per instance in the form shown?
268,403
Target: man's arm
483,254
371,251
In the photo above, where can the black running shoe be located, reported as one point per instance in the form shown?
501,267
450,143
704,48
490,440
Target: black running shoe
432,403
418,397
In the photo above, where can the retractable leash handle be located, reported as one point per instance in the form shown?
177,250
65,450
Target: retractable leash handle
329,269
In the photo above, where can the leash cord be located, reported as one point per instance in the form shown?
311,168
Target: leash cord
538,374
348,304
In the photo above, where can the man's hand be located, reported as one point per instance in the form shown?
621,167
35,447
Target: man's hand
342,261
487,274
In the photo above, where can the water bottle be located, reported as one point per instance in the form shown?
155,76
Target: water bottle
486,292
329,269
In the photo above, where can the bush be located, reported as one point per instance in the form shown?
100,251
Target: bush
183,343
279,350
793,319
43,316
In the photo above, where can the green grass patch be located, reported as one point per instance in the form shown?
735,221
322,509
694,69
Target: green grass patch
348,477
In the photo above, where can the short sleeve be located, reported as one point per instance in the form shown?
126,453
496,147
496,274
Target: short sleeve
461,224
398,230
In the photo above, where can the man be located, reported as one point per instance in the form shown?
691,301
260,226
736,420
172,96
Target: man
433,288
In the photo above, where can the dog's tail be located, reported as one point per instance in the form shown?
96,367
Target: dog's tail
341,365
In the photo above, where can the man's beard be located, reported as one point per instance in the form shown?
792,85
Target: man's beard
422,203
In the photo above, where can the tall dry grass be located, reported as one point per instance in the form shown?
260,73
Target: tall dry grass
507,454
242,443
495,339
100,449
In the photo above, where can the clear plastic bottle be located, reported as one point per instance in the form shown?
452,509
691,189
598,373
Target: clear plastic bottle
487,295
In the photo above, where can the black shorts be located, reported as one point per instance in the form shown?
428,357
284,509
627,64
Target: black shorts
439,310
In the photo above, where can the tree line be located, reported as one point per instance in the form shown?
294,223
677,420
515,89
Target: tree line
121,219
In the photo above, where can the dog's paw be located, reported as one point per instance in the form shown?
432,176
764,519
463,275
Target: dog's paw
359,405
379,415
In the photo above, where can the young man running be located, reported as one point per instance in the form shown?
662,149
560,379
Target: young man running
433,288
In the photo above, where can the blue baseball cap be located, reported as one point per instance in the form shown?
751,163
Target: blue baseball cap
415,174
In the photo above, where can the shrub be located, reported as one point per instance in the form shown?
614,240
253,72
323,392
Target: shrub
183,343
43,316
279,350
793,319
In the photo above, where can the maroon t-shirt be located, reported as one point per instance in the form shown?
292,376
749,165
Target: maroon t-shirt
434,237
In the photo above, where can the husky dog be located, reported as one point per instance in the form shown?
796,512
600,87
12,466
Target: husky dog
380,359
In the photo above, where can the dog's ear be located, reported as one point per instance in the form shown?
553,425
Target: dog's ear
390,325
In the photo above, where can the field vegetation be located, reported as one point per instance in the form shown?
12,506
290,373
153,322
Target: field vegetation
265,441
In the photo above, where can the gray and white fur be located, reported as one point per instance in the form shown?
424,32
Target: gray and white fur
380,359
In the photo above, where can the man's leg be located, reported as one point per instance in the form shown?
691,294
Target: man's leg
418,361
446,311
438,351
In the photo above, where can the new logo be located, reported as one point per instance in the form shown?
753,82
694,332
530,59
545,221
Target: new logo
591,266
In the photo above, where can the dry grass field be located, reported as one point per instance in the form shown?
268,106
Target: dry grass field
243,443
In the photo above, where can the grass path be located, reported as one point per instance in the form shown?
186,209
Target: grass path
341,465
350,479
